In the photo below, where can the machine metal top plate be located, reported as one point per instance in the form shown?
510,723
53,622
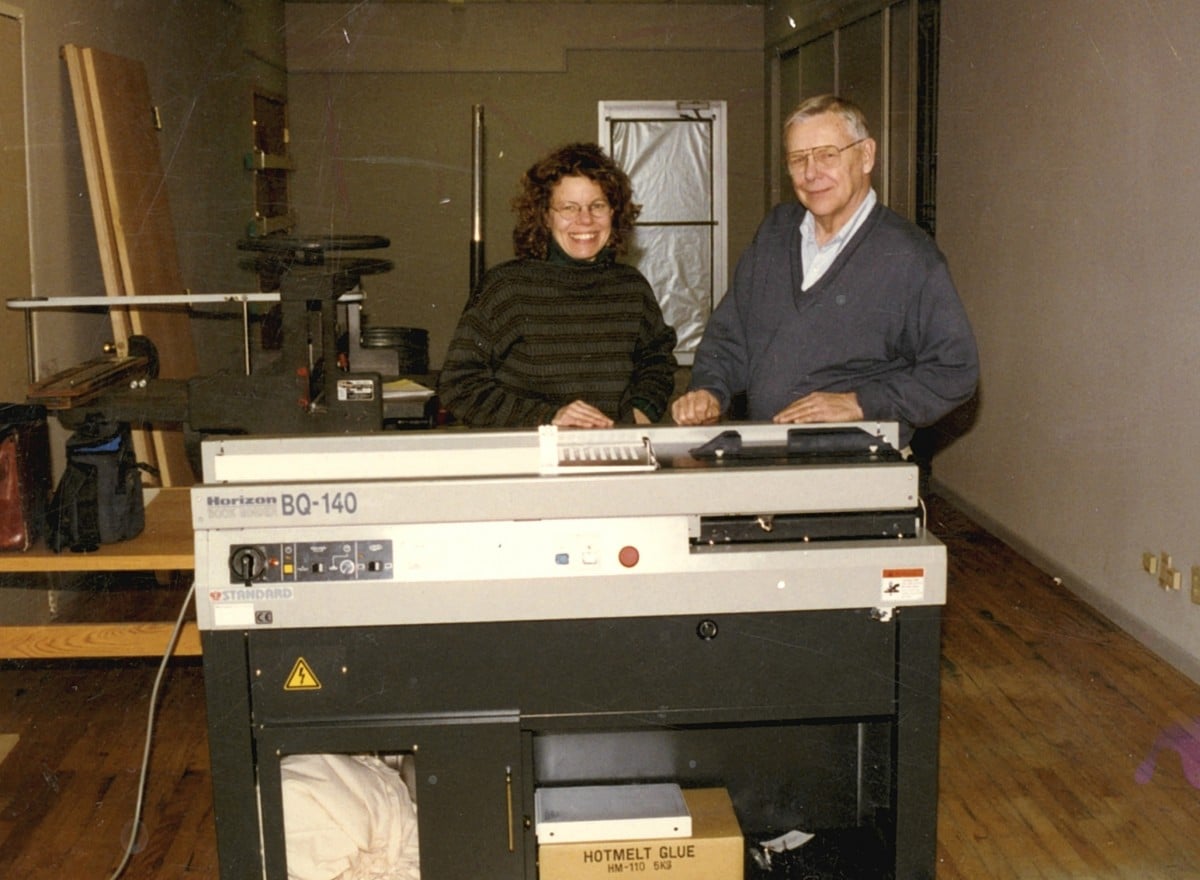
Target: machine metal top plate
486,475
472,453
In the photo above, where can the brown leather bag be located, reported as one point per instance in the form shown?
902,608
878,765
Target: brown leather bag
24,474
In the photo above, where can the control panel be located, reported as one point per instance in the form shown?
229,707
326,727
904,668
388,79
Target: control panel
315,561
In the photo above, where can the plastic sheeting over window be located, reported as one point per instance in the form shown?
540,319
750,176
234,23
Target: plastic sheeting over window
675,155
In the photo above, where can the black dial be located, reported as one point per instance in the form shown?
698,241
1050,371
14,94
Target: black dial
247,564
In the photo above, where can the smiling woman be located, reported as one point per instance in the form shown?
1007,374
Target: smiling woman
563,334
580,218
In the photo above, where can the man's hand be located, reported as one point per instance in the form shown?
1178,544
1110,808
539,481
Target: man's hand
579,414
696,408
821,406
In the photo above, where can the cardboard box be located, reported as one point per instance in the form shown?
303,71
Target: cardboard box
715,850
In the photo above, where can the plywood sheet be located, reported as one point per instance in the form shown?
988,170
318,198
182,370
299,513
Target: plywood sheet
134,230
14,214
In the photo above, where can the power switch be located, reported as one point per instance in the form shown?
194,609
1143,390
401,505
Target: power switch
247,564
629,556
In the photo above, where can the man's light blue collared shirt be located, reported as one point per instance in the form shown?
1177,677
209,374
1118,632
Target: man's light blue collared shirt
817,258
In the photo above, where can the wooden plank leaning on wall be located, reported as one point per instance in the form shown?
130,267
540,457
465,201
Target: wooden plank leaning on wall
119,135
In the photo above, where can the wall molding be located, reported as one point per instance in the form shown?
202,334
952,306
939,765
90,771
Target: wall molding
1153,640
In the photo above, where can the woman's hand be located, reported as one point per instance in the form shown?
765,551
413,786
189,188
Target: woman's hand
580,414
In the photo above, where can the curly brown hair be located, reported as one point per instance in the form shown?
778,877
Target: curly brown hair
531,234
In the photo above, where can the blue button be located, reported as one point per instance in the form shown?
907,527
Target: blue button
562,559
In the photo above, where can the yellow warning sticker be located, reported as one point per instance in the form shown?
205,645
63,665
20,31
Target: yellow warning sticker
301,678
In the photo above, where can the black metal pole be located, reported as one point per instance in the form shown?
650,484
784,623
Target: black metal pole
477,264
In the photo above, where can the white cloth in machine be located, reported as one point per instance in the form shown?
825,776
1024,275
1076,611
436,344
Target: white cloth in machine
348,817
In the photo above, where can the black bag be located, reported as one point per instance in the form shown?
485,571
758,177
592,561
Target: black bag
99,498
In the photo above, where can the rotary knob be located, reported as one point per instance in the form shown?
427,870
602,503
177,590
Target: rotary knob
247,564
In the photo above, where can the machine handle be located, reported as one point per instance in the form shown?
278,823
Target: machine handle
512,845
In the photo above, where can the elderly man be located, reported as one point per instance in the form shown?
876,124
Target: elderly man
840,310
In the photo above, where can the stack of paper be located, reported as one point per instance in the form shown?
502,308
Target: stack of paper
406,389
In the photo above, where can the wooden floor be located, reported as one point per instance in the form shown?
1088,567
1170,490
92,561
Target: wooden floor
1048,714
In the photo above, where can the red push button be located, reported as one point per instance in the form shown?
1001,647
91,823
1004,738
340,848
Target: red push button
629,556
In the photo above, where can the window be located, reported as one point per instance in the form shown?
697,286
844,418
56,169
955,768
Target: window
675,154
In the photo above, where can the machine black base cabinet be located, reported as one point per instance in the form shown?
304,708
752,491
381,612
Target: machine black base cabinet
823,721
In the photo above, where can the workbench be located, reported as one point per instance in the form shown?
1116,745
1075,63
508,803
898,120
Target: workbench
164,546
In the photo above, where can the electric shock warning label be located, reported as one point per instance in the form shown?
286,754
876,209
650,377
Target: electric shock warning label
903,585
301,678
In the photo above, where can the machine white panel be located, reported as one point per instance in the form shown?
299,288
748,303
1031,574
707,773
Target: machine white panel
418,529
564,570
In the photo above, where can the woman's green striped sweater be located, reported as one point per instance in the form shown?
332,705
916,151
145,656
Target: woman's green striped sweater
539,334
